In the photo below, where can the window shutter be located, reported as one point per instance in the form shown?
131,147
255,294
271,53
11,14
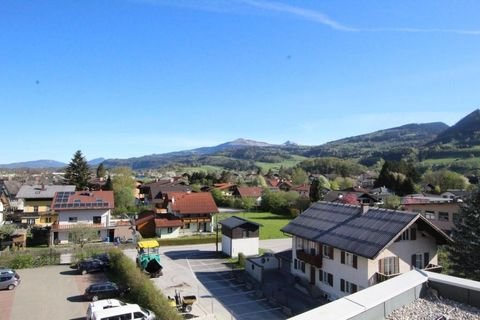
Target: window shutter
426,259
342,257
320,247
330,279
413,234
396,267
355,261
330,252
342,285
413,261
381,265
295,264
320,275
354,288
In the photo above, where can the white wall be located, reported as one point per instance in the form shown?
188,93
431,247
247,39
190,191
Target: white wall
226,244
248,246
164,234
404,250
84,216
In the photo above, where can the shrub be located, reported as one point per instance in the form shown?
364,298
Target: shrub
142,290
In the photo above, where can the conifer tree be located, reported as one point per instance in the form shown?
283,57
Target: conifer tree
77,171
101,172
464,253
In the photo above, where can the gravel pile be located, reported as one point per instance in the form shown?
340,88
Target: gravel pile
433,308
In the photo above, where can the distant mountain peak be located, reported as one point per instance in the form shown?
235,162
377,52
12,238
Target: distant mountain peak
465,132
289,143
246,143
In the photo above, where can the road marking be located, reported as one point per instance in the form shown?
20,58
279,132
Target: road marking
262,311
235,294
246,302
229,287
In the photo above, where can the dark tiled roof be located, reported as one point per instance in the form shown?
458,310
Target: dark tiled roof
235,222
345,227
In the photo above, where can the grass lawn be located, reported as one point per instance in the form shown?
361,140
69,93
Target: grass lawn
276,165
271,223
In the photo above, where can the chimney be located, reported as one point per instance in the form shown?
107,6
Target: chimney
365,208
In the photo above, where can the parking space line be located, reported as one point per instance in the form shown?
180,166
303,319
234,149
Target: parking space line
262,311
218,280
229,287
236,294
246,302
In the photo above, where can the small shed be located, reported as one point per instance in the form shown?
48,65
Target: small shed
239,235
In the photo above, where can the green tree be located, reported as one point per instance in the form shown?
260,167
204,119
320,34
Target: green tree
82,233
299,176
445,179
123,182
77,171
101,172
464,253
108,184
248,203
391,202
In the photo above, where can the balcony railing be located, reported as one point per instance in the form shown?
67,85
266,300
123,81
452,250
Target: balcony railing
315,260
433,268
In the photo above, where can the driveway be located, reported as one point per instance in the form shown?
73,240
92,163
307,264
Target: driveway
196,270
52,292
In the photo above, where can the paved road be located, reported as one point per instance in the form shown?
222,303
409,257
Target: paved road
195,269
47,293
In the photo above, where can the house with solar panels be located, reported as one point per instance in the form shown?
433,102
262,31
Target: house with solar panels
37,203
339,249
90,209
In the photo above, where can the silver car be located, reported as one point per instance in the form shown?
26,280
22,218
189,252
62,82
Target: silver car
9,279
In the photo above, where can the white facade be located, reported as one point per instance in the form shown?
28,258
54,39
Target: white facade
69,218
165,234
232,247
364,275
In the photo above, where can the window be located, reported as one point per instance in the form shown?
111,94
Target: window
299,264
430,215
72,219
409,234
348,287
245,233
97,220
388,265
302,266
35,208
420,261
325,277
327,251
187,226
443,216
48,219
169,229
295,264
348,259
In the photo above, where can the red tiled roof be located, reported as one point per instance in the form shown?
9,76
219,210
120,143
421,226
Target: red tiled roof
222,186
273,182
187,203
253,192
302,187
83,200
168,221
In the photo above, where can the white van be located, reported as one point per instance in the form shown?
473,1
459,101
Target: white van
103,304
127,312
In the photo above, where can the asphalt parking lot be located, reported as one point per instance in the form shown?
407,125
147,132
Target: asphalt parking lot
196,270
53,292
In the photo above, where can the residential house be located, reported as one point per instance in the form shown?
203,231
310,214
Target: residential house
239,235
154,192
227,189
254,193
340,249
352,196
158,224
90,209
37,203
441,211
196,210
303,190
8,193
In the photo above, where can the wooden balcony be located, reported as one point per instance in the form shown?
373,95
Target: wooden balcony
433,268
315,260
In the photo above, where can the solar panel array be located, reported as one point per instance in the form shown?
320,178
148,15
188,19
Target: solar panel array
61,202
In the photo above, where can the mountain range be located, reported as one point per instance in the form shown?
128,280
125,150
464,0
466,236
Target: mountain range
420,141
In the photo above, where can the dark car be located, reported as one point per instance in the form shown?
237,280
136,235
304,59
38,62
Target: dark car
103,257
104,290
91,265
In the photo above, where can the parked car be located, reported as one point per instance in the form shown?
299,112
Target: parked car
9,279
104,257
101,305
90,265
104,290
129,311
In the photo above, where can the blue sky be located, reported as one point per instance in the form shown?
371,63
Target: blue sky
123,78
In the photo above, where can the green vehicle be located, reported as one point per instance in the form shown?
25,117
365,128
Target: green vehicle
148,257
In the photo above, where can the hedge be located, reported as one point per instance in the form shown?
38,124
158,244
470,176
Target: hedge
142,289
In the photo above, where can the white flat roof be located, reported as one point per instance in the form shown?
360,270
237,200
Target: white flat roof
358,302
458,282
